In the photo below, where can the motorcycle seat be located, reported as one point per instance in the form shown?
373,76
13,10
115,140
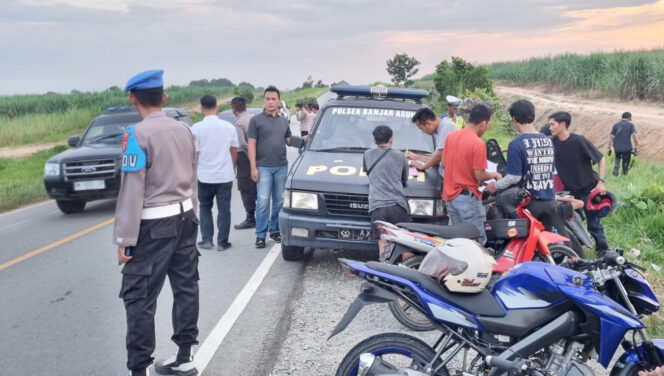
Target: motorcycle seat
461,230
481,304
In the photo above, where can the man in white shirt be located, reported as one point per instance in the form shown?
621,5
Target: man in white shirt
217,143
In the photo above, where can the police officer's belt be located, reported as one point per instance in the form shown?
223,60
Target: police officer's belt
167,210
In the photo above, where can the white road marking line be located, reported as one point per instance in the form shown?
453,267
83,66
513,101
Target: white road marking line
15,224
209,347
25,208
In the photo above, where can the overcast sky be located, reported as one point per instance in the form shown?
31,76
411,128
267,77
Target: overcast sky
60,45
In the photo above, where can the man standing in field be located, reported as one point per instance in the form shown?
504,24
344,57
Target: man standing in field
622,134
464,160
452,113
575,156
245,185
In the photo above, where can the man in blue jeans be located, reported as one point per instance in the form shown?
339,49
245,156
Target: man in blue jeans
217,157
268,135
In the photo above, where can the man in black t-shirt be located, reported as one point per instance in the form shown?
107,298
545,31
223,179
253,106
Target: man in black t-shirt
574,157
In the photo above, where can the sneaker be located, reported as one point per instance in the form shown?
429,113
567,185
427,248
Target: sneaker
245,225
205,245
224,246
615,172
276,237
260,242
172,366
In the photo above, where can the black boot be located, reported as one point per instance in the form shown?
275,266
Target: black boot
249,222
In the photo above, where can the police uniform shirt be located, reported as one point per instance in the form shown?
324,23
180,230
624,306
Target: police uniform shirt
158,168
242,129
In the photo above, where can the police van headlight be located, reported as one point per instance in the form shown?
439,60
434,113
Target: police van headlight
51,169
421,207
304,201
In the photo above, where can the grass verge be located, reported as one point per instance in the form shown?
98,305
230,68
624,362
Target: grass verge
21,181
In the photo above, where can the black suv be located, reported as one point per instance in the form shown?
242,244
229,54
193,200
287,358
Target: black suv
90,170
326,194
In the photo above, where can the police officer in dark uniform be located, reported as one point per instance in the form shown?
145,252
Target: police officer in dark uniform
156,228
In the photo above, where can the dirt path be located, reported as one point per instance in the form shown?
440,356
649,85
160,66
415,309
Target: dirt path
20,152
594,117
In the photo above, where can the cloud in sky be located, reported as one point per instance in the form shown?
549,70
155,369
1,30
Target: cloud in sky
61,45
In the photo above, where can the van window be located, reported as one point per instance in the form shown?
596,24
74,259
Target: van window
352,127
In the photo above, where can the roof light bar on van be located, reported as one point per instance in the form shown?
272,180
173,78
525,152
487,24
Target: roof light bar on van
121,108
379,91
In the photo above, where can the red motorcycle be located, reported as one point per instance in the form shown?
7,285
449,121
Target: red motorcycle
514,236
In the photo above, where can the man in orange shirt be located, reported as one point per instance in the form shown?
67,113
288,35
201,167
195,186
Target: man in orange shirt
465,163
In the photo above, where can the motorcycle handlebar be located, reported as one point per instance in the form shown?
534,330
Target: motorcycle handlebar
611,258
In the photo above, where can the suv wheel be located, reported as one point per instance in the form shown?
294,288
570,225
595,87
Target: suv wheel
70,206
291,253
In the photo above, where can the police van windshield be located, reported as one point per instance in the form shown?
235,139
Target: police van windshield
350,129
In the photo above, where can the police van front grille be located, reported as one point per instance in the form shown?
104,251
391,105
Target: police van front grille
87,170
347,204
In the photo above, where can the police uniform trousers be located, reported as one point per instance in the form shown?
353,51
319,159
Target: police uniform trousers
165,246
245,185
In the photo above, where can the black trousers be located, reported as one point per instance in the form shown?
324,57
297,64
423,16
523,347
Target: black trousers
546,211
166,246
594,225
245,185
625,157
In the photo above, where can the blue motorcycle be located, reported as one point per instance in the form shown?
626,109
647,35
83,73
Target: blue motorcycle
537,319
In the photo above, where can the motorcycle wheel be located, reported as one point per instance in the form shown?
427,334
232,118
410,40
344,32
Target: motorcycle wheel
399,350
407,315
559,252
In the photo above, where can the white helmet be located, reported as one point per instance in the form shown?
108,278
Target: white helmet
461,265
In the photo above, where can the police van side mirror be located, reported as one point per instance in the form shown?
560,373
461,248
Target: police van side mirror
73,141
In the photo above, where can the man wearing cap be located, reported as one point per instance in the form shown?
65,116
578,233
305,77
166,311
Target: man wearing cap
452,111
156,228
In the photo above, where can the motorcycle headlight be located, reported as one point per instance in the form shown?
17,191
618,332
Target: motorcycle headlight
421,207
304,201
287,199
51,169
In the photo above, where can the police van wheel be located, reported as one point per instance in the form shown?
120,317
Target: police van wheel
70,206
291,253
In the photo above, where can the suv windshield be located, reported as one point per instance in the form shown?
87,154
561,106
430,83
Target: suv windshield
108,130
350,129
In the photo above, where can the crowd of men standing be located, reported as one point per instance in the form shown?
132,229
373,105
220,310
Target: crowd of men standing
177,170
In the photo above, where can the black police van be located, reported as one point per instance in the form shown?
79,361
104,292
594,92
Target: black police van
90,170
326,193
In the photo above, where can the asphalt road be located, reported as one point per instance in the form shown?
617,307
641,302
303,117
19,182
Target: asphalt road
61,315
